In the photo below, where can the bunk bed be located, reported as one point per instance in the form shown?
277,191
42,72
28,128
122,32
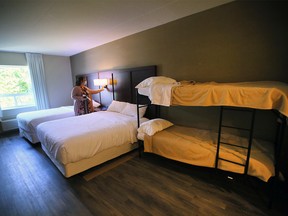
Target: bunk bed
206,148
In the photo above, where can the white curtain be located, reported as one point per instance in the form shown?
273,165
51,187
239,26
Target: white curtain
1,114
36,67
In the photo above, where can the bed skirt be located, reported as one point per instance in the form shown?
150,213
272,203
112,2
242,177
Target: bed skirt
74,168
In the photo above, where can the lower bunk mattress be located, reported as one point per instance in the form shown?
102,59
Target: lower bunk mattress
198,147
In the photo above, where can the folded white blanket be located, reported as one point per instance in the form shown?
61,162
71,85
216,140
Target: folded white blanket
160,94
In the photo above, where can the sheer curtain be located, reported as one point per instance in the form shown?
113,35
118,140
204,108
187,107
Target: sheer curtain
36,67
1,114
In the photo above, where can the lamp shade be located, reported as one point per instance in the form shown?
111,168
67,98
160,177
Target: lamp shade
100,82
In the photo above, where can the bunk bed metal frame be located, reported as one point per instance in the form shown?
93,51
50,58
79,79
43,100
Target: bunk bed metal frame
279,138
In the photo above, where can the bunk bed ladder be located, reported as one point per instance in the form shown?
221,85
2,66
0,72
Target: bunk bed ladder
220,142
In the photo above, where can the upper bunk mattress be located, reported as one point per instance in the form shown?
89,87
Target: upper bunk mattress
265,95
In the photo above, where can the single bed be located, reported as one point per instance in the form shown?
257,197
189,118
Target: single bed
78,143
28,121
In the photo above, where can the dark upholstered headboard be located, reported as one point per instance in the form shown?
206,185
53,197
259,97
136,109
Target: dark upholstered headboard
122,82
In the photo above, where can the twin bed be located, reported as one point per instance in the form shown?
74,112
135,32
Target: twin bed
77,143
28,121
202,147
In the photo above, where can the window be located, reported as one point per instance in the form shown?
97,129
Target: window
15,87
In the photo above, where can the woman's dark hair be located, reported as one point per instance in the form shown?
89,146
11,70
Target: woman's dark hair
79,80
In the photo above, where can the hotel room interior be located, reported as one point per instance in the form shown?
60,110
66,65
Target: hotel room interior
223,41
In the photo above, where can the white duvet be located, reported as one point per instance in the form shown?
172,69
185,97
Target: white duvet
28,121
73,139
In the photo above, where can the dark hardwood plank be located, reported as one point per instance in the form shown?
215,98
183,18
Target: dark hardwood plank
151,185
30,183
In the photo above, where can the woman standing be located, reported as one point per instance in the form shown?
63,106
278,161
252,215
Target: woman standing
81,95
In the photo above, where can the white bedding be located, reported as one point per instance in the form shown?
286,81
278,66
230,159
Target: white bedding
159,94
77,138
28,121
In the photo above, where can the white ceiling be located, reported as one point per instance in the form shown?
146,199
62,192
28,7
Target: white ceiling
68,27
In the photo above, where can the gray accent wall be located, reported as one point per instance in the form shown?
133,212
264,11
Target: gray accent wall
238,41
235,42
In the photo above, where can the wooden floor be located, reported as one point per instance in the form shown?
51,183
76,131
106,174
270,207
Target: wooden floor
151,185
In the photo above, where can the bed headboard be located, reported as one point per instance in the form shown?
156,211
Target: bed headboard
121,84
127,79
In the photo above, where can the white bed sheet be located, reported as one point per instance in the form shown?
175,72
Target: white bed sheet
144,91
159,94
28,121
80,137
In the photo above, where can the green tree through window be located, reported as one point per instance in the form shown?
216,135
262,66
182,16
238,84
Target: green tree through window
15,87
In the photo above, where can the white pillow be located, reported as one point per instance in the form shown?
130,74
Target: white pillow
116,106
95,104
153,126
131,110
140,136
154,80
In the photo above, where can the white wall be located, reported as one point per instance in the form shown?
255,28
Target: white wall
8,58
58,79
